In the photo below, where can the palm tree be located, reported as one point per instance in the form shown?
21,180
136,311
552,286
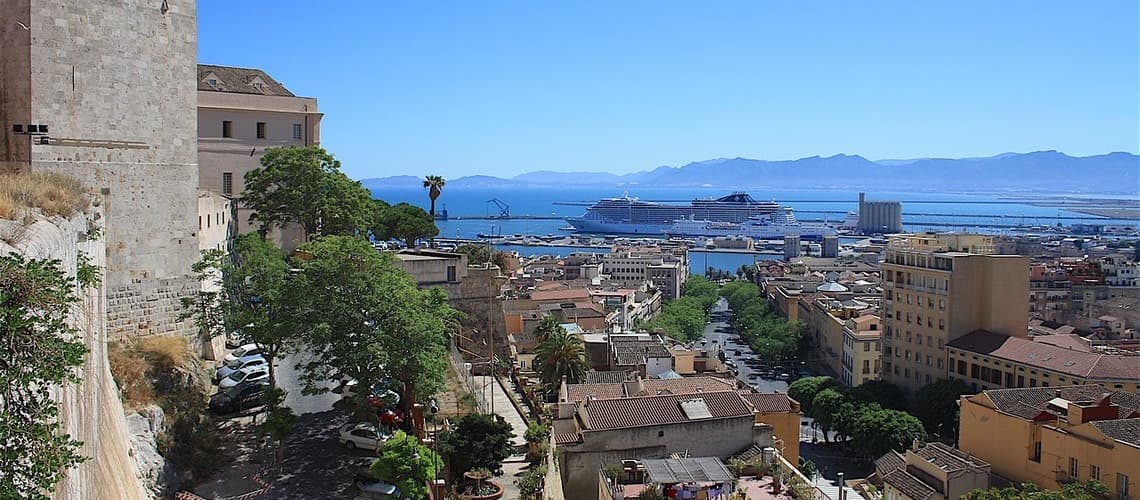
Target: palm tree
549,326
434,184
560,355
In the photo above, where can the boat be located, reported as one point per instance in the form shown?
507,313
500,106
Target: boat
626,215
773,226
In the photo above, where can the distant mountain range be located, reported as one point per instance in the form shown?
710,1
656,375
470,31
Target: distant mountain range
1040,171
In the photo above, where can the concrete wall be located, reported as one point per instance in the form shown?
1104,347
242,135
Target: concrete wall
704,438
90,410
115,83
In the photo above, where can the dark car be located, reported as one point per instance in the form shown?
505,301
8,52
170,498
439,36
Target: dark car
238,398
370,488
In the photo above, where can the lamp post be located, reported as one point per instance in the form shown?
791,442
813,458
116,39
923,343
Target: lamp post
842,489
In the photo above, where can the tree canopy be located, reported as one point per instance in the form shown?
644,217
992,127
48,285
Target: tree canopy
434,184
884,393
768,334
40,351
365,319
404,222
304,185
478,441
936,405
406,464
560,355
1084,490
683,319
547,327
805,390
877,431
702,289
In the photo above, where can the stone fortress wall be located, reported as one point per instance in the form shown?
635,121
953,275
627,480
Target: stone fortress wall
90,411
115,82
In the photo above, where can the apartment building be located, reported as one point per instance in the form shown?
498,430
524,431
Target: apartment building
1054,435
986,360
938,287
932,471
666,270
241,112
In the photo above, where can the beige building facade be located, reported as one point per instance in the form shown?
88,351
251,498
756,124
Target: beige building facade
938,287
241,112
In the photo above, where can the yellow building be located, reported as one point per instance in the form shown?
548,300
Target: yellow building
1053,435
783,414
861,336
986,360
938,287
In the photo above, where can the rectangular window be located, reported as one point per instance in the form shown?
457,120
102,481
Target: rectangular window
227,128
1122,490
974,371
228,182
1036,452
1094,472
1032,382
866,346
961,368
866,366
298,133
451,274
1021,381
1074,468
260,130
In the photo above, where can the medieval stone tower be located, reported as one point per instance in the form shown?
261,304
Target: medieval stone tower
111,88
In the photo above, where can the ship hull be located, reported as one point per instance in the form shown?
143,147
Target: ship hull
583,225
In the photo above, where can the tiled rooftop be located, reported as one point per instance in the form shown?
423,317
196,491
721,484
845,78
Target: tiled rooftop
240,80
909,485
947,458
1082,364
605,414
1126,430
1028,402
772,402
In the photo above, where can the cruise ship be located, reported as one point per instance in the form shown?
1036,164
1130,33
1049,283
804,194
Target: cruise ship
627,215
773,226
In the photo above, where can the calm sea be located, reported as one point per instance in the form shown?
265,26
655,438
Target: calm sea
920,209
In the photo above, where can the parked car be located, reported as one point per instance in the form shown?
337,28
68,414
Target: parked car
243,362
243,351
361,435
245,375
237,398
380,396
373,489
783,376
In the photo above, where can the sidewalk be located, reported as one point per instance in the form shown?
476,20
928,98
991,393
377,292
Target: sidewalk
497,398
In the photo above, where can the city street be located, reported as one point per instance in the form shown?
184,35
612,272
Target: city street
826,456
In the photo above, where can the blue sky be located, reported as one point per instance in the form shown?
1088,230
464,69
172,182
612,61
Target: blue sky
501,88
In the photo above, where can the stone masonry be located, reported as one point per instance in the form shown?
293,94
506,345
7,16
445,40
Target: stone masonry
115,82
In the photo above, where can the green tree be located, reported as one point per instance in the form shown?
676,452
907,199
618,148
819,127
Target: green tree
406,464
404,222
936,405
547,327
304,185
702,289
825,407
878,431
482,254
434,184
363,318
805,390
40,351
561,355
477,442
884,393
252,297
683,319
1084,490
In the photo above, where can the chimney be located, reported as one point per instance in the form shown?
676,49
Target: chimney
635,387
915,445
1056,393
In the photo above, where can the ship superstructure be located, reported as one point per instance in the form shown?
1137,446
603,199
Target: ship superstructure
626,215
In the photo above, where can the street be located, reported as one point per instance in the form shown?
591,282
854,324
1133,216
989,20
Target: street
812,447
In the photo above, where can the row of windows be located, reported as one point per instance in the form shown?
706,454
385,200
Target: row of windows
262,130
215,219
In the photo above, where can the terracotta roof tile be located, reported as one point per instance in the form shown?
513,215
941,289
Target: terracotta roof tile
574,293
1085,365
888,463
769,402
239,80
909,485
581,392
561,439
1028,402
606,377
1125,429
603,414
687,385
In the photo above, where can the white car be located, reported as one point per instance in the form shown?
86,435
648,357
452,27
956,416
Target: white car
362,435
243,351
229,368
251,374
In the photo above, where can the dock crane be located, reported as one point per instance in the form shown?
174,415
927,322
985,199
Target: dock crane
504,209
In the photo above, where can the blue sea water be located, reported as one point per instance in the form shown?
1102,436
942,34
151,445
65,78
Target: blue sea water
960,210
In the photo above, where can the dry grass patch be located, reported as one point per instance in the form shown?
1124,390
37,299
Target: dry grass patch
132,374
53,194
165,353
